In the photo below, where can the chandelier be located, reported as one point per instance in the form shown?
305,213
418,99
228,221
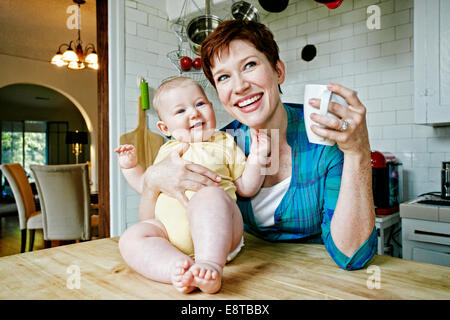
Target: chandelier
74,57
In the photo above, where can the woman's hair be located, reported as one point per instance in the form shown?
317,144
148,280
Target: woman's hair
256,33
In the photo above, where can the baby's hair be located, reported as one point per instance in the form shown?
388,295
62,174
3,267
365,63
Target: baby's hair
170,84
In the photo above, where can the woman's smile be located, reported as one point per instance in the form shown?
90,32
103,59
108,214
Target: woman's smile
247,84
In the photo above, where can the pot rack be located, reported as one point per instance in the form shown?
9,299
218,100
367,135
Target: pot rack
183,50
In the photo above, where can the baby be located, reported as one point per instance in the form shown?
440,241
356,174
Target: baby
211,224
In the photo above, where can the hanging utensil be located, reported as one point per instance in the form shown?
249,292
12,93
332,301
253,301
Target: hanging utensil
199,28
245,11
274,6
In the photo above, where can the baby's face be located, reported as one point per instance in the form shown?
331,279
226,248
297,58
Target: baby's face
186,114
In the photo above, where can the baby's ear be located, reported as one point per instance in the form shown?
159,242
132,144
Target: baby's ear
163,128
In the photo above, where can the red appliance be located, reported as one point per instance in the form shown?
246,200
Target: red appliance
387,182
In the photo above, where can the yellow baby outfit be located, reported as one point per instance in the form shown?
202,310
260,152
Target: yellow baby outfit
221,155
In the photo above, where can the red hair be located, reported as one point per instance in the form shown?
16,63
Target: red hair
256,33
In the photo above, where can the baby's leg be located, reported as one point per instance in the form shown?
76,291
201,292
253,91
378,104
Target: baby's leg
216,229
146,249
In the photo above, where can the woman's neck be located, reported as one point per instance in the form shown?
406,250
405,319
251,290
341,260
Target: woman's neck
277,121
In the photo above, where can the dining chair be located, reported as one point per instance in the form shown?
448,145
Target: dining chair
29,217
64,195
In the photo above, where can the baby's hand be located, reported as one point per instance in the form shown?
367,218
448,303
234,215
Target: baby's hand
127,156
260,146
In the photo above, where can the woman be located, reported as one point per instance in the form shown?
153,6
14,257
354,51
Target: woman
318,191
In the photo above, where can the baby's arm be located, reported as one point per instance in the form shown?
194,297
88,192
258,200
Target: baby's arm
147,204
253,176
131,170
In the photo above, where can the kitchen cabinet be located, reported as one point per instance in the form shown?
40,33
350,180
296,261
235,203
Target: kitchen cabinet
432,62
426,231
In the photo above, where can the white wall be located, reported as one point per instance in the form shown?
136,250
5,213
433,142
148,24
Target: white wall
378,64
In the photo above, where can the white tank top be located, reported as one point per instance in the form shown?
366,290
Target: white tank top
266,201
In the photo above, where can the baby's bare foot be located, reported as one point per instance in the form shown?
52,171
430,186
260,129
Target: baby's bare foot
180,280
205,275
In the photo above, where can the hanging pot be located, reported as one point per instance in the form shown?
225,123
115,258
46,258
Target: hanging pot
244,10
331,4
274,5
199,28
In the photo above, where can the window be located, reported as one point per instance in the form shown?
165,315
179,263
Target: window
23,142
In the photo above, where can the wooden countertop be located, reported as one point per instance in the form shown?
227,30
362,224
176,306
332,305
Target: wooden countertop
262,270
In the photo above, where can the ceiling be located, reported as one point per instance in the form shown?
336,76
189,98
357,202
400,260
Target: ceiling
35,28
30,95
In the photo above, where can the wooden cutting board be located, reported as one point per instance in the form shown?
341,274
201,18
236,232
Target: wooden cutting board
147,143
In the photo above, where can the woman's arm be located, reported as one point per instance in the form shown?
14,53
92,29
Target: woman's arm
354,216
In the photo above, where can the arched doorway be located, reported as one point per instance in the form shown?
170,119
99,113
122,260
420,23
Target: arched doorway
34,121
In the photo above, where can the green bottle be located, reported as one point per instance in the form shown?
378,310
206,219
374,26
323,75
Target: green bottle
144,95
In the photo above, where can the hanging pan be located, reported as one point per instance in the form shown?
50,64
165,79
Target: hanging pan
244,10
199,28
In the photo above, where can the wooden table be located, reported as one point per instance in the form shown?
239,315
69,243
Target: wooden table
261,271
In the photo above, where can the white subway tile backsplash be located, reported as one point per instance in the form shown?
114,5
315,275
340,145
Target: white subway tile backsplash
353,16
397,75
329,47
306,5
354,68
318,13
318,37
377,63
130,27
368,79
382,35
403,4
412,145
382,63
342,57
395,19
439,144
382,91
421,131
135,42
329,23
405,116
341,32
405,88
397,46
404,31
397,103
135,15
147,32
381,118
397,131
357,41
286,34
307,28
331,72
366,53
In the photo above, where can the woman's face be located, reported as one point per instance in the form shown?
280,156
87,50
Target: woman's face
247,84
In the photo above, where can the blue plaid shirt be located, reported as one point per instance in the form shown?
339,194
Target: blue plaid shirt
306,209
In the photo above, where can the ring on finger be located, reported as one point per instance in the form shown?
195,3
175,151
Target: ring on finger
344,125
